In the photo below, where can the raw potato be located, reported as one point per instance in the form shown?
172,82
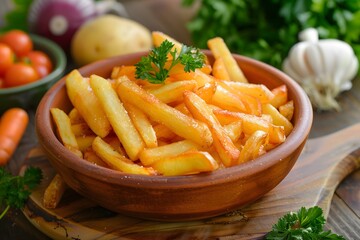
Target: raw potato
108,36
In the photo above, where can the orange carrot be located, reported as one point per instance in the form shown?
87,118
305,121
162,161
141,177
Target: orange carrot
13,124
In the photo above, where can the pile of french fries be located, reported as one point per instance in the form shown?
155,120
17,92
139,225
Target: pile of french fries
195,122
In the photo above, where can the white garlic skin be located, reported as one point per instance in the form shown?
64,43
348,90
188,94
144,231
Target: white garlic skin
324,68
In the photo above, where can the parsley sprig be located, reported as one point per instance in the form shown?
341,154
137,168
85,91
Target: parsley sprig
154,66
15,190
305,224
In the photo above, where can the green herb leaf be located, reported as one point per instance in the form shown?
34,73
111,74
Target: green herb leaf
245,25
305,224
153,67
15,190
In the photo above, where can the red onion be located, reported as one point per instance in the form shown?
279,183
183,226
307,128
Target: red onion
58,20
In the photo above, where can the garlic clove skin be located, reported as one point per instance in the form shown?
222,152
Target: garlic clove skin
324,68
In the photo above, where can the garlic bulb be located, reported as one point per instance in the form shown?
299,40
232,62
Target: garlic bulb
324,68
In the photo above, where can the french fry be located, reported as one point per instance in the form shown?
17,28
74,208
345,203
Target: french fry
84,100
280,96
81,129
187,163
220,50
116,160
251,124
253,146
54,192
200,77
118,117
251,104
222,142
90,156
75,116
84,142
219,70
129,71
150,155
63,125
159,37
182,108
234,130
163,133
278,118
259,91
207,91
158,111
115,143
287,110
173,91
227,100
143,125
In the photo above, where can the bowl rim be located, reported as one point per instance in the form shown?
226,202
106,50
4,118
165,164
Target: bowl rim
58,69
294,140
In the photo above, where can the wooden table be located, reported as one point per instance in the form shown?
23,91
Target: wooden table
167,16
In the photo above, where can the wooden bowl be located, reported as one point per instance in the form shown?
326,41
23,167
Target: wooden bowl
29,95
182,197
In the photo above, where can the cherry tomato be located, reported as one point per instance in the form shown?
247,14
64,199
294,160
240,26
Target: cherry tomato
6,57
2,84
19,41
40,61
20,74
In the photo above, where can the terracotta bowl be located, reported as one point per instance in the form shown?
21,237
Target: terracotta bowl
183,197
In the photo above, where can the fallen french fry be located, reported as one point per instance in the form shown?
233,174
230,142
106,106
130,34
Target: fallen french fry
54,192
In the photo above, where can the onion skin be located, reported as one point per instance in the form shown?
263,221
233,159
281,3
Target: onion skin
58,20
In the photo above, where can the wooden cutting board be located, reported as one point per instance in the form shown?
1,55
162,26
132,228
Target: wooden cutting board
323,164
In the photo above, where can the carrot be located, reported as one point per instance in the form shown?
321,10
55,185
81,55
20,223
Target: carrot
13,124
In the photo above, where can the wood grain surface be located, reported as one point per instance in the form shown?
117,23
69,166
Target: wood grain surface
312,181
169,17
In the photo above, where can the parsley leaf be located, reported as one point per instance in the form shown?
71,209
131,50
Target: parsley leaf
305,224
154,67
15,190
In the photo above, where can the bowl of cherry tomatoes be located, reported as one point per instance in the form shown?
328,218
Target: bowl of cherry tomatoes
29,66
